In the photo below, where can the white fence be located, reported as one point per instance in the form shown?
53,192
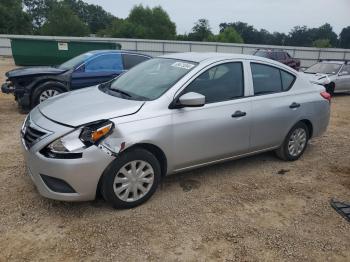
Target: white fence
307,55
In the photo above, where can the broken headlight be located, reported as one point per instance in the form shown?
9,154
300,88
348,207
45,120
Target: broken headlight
73,144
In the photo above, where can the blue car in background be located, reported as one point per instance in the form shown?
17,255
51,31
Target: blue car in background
33,85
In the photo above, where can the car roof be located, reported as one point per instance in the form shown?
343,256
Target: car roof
201,57
107,51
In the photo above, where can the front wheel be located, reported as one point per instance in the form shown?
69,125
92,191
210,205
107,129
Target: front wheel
295,143
131,179
44,92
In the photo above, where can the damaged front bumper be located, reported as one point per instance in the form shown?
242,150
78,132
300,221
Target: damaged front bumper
7,88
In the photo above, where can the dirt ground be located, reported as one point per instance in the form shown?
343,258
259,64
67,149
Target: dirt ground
253,209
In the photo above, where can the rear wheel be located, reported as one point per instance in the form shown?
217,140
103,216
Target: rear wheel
295,143
131,179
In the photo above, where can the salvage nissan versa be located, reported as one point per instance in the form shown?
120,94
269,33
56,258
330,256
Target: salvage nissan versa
167,115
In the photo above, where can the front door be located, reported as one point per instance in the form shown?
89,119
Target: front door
219,129
343,81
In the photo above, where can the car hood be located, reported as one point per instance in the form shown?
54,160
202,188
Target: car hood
35,70
87,105
318,78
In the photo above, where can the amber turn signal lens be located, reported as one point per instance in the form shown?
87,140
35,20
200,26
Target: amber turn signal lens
99,133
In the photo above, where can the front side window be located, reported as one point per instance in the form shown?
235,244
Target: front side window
219,83
345,70
74,62
269,79
103,63
150,79
131,60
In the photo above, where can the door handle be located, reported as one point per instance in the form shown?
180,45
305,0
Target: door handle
294,105
239,114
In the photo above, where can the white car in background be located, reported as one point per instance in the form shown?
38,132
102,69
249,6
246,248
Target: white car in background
333,74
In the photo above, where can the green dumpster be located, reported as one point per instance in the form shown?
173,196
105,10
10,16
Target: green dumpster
30,52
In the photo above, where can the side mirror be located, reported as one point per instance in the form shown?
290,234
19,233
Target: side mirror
191,99
343,73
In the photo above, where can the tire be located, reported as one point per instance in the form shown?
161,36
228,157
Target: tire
286,152
123,189
46,90
330,88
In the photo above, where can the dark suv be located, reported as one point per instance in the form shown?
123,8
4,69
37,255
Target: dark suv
280,56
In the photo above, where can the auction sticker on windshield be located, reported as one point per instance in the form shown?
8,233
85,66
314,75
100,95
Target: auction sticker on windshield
183,65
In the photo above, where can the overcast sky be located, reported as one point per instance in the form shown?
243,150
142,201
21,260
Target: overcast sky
273,15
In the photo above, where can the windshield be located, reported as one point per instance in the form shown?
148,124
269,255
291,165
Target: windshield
150,79
324,68
72,63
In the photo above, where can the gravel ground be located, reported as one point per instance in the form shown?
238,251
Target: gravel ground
253,209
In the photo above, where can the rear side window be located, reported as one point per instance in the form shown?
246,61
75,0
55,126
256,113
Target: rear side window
219,83
287,80
269,79
103,63
132,60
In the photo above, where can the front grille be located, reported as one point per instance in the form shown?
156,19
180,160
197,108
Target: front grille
31,135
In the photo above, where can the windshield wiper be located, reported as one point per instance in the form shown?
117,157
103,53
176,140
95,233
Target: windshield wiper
121,92
108,89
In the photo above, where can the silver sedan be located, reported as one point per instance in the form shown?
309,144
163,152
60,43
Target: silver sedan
167,115
336,75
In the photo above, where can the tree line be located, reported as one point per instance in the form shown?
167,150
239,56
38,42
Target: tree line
77,18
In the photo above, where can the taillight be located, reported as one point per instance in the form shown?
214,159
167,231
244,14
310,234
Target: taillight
326,96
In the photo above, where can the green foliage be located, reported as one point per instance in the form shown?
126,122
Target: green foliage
229,35
201,31
78,18
300,36
143,22
38,11
344,38
251,35
325,32
92,15
322,43
303,36
247,32
13,20
62,21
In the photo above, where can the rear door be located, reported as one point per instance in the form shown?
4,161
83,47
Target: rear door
275,107
99,69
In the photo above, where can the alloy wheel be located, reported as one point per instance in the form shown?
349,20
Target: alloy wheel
297,142
47,94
